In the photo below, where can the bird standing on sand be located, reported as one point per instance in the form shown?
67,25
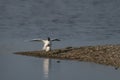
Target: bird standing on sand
47,43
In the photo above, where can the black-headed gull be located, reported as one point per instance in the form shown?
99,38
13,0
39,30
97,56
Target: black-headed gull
47,43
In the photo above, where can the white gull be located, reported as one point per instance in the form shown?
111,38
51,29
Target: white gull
47,43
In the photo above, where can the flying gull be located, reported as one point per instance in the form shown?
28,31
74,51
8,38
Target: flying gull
47,43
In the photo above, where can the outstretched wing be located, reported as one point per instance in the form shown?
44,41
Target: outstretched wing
55,40
37,40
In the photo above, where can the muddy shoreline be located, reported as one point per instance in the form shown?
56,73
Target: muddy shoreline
101,54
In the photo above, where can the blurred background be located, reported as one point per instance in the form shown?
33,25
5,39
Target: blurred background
75,22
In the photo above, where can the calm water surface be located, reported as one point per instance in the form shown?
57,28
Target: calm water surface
76,22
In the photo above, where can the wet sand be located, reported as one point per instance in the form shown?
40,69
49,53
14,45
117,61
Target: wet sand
101,54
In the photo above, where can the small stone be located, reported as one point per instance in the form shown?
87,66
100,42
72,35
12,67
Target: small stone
116,68
58,61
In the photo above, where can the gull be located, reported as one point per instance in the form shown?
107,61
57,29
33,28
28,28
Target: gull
47,43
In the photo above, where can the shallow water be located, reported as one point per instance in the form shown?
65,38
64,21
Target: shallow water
75,22
16,67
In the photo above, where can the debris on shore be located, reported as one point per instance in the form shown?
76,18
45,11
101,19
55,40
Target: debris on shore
101,54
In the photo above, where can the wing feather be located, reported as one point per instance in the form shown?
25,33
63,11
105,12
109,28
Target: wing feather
37,39
56,40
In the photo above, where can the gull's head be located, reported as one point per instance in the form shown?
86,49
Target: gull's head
48,38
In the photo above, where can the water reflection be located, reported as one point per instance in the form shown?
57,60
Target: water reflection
46,67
